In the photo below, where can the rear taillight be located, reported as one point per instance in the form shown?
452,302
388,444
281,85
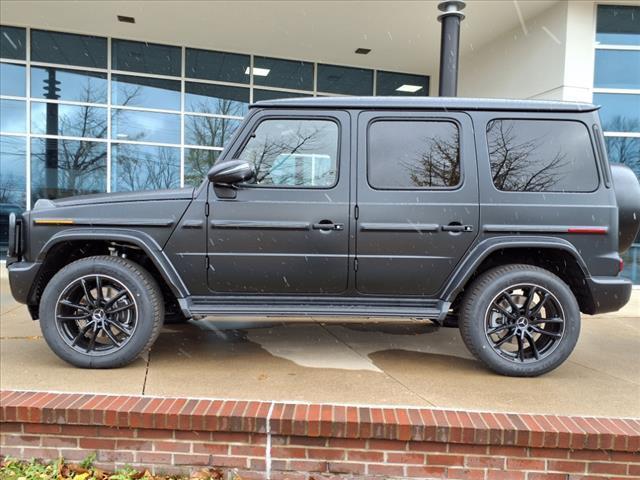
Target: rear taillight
621,266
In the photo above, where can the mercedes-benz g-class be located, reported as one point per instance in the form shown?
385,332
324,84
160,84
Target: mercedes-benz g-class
501,217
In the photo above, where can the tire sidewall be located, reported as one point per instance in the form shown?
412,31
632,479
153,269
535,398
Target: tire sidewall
482,293
132,277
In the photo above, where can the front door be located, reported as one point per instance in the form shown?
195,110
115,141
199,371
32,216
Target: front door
417,198
286,231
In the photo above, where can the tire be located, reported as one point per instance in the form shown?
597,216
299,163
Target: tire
534,347
101,312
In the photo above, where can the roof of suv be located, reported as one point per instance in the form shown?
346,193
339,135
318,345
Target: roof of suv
431,103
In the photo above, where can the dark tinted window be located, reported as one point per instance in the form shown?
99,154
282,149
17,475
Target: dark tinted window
68,49
226,67
12,43
401,84
618,24
346,80
274,72
73,85
413,154
300,153
145,57
541,156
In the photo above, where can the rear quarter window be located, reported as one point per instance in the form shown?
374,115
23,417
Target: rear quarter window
541,156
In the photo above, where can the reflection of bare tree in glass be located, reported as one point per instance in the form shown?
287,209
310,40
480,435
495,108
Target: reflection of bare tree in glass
511,161
12,185
197,164
214,131
81,165
147,167
269,154
438,164
209,131
10,188
624,150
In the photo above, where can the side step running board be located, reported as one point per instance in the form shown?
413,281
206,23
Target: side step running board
206,306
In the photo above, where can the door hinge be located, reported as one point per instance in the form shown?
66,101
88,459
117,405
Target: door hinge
206,209
356,212
355,264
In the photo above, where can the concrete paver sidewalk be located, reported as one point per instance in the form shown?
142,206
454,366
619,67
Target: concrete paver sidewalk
377,363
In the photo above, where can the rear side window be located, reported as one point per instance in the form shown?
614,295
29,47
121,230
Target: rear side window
541,156
413,154
294,153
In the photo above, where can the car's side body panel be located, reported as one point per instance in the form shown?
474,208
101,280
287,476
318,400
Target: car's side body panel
408,240
255,250
586,220
269,239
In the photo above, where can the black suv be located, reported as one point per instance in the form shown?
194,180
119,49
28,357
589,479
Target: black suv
498,216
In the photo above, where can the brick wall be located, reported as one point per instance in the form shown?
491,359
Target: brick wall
301,441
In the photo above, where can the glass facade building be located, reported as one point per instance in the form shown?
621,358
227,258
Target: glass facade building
86,114
616,87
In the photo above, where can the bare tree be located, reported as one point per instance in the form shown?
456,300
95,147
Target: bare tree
437,164
513,165
209,131
12,177
270,154
81,164
147,168
624,150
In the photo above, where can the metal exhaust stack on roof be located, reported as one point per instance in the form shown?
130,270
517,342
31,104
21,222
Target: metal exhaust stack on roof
450,46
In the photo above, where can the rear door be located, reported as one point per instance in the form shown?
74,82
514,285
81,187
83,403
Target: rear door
417,198
286,232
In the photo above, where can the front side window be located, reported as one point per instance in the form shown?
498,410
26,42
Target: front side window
541,156
294,153
413,154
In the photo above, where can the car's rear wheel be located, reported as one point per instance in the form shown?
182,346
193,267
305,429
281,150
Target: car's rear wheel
520,320
101,312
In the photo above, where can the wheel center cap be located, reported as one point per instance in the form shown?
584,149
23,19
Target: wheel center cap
98,315
522,322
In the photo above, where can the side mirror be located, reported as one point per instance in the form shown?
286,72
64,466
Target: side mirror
230,173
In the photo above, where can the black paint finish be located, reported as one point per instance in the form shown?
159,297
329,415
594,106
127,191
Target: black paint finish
349,248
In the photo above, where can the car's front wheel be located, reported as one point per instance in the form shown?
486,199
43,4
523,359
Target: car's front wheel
101,312
520,320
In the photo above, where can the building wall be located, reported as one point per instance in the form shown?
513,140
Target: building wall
579,52
526,62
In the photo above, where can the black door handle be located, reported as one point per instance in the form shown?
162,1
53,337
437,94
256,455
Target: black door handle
457,228
328,225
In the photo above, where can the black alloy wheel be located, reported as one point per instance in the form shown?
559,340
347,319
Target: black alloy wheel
519,320
101,312
524,323
96,315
